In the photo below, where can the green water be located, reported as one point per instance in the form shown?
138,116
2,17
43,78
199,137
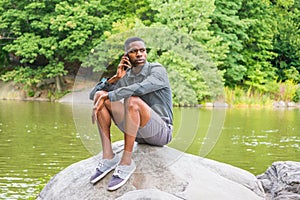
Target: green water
39,139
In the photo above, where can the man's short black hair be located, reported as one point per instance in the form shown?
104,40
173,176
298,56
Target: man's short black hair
130,40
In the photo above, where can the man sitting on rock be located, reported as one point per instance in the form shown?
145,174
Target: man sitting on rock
138,99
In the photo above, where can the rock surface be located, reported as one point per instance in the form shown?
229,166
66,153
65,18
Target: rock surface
10,91
162,173
281,181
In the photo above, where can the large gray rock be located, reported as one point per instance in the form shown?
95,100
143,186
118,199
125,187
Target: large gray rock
162,173
281,181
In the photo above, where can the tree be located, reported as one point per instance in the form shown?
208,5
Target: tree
286,40
47,36
251,44
38,41
227,24
202,52
193,19
182,47
258,48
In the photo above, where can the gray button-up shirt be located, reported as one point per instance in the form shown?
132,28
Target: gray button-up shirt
151,85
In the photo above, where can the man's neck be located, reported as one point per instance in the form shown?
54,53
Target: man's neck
137,69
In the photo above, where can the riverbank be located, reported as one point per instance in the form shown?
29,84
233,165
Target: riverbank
45,91
79,92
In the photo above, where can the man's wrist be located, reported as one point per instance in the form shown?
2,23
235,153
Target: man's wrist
113,79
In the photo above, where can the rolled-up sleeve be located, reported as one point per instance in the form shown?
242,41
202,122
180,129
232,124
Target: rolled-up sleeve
157,80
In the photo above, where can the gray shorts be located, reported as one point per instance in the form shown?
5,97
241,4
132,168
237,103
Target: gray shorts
156,132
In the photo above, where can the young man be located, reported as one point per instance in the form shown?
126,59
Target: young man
138,99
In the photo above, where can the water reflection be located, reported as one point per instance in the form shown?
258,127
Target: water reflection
258,138
37,139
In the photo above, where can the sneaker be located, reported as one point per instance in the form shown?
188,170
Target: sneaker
121,175
104,167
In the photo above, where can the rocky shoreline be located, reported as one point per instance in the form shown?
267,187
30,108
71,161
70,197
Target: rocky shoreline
281,181
10,91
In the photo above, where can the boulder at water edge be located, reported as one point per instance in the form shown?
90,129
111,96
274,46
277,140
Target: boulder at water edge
281,181
162,173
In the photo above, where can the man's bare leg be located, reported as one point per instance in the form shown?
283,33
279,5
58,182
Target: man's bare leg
103,123
110,110
135,113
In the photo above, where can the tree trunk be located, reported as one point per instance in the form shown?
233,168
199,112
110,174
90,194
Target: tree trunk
58,83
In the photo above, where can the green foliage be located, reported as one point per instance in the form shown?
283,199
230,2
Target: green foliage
192,18
296,98
29,46
187,85
286,41
24,75
227,24
292,74
45,36
187,57
29,77
4,60
287,91
183,57
30,93
48,35
239,97
258,46
251,44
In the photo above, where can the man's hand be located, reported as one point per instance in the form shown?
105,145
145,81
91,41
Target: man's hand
121,71
98,106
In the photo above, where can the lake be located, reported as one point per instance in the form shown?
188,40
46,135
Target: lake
39,139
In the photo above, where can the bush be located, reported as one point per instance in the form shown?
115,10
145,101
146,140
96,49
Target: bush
296,98
288,90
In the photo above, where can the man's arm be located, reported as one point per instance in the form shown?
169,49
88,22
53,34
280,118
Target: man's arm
157,79
121,71
100,99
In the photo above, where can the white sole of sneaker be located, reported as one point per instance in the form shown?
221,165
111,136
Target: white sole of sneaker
103,174
122,183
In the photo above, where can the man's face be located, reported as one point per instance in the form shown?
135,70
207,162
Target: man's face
137,53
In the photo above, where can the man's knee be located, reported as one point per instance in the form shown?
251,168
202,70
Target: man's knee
133,102
99,94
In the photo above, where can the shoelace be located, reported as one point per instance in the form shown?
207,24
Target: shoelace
100,164
117,173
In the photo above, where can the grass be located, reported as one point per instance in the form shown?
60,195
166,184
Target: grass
238,96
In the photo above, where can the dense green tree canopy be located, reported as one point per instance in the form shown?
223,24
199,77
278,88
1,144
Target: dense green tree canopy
204,44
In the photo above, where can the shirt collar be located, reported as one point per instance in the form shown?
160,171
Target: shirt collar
143,71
